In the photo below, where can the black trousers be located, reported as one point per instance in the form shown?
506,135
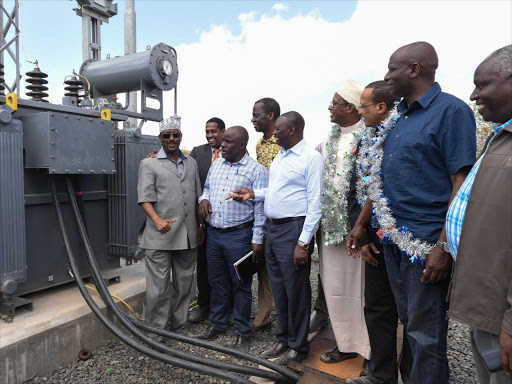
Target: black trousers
381,317
203,286
291,288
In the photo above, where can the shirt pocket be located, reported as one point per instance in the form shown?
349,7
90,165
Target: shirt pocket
242,178
410,158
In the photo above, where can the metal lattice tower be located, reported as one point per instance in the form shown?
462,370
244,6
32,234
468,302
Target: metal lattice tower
9,36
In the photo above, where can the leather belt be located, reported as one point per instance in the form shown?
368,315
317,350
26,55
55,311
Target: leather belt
235,228
286,220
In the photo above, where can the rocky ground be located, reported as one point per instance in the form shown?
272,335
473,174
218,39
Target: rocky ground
117,363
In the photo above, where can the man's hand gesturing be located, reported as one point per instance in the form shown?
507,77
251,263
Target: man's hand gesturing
241,194
164,225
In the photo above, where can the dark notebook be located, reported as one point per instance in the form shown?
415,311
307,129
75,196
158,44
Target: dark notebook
245,267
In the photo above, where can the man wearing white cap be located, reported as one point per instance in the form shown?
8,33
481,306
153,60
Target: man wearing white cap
168,189
342,277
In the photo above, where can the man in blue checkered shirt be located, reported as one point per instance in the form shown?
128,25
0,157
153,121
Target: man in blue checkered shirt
478,227
235,229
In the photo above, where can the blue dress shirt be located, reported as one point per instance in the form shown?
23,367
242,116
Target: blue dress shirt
179,165
433,139
223,178
294,187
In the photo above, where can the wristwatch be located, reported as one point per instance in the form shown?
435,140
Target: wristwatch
443,245
303,244
202,226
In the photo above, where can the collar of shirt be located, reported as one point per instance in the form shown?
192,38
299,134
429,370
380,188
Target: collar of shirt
297,148
272,140
499,127
424,101
242,161
162,155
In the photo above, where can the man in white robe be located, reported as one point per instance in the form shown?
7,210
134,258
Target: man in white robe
342,276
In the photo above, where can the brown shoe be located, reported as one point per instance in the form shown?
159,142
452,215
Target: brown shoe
256,329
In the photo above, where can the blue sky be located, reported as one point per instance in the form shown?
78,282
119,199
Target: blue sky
231,53
52,26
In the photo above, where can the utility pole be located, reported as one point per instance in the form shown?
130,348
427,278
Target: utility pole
130,46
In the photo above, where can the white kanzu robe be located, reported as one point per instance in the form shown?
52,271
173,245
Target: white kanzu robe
343,281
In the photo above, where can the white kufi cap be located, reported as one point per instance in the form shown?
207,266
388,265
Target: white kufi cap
173,122
351,92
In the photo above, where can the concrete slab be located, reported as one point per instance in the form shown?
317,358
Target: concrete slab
60,325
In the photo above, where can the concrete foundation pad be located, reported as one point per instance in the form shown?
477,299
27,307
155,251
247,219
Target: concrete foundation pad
61,325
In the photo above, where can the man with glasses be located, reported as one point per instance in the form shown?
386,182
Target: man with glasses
342,277
168,189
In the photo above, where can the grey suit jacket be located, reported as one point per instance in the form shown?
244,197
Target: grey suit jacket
203,156
173,197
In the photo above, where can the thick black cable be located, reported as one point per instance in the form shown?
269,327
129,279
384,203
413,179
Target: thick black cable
292,376
207,370
289,376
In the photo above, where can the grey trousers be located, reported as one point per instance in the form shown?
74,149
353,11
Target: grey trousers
482,341
164,297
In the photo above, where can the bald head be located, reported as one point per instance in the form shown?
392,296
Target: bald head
421,53
234,143
240,132
412,70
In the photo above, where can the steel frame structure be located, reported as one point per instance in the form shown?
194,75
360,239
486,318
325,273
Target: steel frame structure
13,21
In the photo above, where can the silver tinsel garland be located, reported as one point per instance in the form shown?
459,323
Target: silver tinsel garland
334,203
369,168
363,173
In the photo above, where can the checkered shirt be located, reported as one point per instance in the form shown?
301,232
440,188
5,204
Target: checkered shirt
223,178
457,210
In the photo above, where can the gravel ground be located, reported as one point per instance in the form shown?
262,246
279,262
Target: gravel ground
117,363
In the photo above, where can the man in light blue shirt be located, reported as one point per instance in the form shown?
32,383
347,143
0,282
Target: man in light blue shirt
292,207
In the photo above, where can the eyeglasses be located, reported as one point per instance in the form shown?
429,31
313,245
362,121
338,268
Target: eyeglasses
167,136
332,104
366,106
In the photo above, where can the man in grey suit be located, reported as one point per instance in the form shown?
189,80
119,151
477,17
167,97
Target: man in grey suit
168,189
205,155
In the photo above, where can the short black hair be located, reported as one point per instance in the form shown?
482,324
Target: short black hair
382,93
219,122
295,119
270,105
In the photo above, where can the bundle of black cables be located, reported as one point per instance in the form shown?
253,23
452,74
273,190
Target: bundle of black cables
152,348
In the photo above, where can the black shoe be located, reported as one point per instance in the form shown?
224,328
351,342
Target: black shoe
277,350
292,355
242,343
333,355
317,322
199,315
210,333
